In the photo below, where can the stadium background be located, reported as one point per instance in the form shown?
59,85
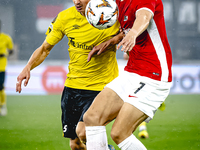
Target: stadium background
27,21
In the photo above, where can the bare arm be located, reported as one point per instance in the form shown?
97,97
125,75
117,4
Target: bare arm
36,59
103,46
141,23
39,55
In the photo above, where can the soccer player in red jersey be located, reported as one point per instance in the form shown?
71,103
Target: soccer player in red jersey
136,94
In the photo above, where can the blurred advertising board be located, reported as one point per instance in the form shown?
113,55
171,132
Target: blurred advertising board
43,80
50,79
186,79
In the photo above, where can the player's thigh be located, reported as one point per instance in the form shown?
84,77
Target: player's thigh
104,108
127,121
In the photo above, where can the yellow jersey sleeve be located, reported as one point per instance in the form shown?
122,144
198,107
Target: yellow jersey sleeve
54,32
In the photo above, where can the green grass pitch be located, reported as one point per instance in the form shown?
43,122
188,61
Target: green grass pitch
33,123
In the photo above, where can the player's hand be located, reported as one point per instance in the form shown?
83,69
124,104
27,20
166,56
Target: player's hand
24,75
128,42
98,49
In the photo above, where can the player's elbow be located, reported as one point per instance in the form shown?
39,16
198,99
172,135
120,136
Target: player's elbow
46,50
46,47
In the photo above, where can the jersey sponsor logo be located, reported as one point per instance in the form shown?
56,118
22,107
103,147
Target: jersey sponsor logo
76,26
79,45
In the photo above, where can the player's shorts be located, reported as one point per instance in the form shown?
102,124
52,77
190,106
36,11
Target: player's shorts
144,93
2,79
74,104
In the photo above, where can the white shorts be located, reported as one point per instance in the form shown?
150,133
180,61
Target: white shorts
144,93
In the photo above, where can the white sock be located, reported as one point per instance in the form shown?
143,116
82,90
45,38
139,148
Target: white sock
96,138
131,143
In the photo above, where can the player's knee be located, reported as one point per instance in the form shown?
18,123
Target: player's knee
115,135
87,118
91,119
119,134
80,132
94,119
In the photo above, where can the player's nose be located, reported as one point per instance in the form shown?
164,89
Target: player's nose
76,1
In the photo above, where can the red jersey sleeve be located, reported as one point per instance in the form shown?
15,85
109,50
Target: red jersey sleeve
147,4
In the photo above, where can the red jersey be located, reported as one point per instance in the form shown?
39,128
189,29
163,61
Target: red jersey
151,56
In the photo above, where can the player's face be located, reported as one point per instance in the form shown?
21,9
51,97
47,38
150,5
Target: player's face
81,5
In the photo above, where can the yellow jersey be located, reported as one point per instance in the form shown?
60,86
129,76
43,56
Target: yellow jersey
5,43
82,37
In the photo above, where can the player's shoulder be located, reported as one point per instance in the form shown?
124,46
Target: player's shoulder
5,35
67,13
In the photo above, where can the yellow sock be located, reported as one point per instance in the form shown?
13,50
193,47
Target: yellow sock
143,130
143,124
2,97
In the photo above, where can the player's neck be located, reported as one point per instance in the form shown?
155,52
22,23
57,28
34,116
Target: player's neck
82,14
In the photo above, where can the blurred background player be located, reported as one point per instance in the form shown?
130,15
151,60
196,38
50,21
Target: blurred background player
143,127
84,79
6,49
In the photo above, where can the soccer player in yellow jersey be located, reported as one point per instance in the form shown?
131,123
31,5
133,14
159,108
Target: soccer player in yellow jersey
85,78
6,48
